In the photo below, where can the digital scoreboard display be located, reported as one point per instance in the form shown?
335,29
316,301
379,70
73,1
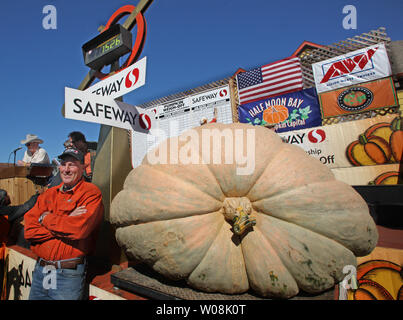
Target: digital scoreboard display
104,49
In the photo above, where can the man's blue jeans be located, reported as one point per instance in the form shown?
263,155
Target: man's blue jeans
49,283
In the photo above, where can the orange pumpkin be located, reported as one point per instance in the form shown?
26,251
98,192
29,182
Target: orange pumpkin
387,178
367,151
275,114
380,129
378,280
396,139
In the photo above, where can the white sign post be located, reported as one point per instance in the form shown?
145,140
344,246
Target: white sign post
129,79
85,106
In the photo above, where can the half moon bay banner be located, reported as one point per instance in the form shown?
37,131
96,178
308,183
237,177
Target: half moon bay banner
291,111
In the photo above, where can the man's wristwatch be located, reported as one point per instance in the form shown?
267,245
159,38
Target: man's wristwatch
41,218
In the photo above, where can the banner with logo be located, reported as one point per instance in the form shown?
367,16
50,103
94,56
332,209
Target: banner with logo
175,117
367,142
355,67
360,98
123,82
85,106
292,111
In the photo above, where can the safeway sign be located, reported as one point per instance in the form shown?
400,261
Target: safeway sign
355,67
86,106
123,82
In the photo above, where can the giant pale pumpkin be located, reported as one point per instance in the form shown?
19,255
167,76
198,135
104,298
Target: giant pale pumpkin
283,226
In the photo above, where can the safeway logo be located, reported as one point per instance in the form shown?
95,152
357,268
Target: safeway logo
316,135
145,121
223,93
349,65
132,77
122,82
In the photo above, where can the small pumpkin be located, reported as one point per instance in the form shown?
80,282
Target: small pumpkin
275,114
386,178
380,129
378,280
368,151
396,139
286,226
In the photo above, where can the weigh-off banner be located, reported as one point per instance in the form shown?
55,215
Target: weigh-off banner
364,142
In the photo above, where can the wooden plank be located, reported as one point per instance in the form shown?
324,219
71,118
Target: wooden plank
19,189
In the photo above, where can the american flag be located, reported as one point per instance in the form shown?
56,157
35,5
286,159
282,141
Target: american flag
272,79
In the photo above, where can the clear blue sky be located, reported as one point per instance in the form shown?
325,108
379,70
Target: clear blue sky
189,43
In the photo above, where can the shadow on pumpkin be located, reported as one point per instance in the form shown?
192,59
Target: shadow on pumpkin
238,239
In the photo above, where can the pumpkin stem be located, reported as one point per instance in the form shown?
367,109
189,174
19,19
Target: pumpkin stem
396,124
237,211
363,139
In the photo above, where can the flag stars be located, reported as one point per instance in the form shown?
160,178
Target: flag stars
250,78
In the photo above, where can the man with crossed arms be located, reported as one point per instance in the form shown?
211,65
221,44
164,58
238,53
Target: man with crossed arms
62,229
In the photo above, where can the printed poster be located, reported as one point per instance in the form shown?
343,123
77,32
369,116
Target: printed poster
360,98
292,111
367,142
175,117
354,67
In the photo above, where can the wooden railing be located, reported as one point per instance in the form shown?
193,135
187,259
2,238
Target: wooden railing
15,180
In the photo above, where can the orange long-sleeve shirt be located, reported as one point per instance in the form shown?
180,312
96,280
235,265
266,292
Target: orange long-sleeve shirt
61,236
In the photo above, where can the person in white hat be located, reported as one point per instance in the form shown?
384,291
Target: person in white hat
34,153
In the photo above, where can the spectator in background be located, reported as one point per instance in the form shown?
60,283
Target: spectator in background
77,140
34,153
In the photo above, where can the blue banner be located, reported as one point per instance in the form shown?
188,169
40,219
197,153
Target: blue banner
291,111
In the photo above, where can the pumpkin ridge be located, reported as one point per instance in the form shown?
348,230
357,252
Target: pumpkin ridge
358,234
283,149
281,283
212,242
305,228
128,224
215,238
222,191
281,227
138,209
322,173
282,192
187,182
191,281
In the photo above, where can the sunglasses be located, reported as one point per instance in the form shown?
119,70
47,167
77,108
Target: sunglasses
30,143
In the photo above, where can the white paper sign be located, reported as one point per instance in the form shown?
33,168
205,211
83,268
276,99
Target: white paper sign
177,116
355,67
85,106
122,82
